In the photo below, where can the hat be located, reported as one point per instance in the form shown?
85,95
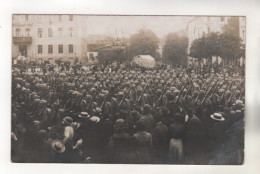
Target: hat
67,120
146,107
93,89
119,123
120,94
88,97
239,103
84,115
98,110
42,101
217,116
58,146
221,90
75,125
95,119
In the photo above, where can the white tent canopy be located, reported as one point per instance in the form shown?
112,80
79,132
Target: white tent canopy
146,61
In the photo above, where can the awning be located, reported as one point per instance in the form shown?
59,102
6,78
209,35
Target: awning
146,61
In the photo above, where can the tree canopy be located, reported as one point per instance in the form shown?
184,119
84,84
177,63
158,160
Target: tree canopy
226,45
175,49
145,42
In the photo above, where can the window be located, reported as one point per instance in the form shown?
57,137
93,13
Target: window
50,32
60,48
27,30
40,32
222,18
71,17
17,32
26,17
70,48
39,49
60,18
60,32
50,49
71,30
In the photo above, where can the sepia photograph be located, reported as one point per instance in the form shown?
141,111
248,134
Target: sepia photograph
128,89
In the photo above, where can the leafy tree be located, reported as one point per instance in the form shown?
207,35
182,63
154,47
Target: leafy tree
198,48
230,47
145,42
175,49
226,45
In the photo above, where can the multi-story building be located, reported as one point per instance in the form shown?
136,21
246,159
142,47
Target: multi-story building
199,26
49,37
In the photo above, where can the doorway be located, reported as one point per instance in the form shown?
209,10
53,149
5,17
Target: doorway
23,50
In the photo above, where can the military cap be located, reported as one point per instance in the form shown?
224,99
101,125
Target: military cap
42,101
221,90
100,96
168,92
146,107
74,92
79,94
228,92
120,94
158,91
92,89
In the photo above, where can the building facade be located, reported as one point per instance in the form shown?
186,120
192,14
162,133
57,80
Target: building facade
49,37
199,26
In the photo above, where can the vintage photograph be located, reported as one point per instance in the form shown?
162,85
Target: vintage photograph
128,89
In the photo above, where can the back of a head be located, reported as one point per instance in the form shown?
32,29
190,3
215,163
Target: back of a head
140,125
178,117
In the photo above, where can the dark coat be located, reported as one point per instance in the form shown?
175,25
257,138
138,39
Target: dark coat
160,142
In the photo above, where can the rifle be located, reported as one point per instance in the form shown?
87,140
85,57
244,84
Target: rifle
232,95
103,103
139,98
121,102
241,93
93,99
203,100
78,102
210,82
188,90
180,93
228,86
214,90
160,98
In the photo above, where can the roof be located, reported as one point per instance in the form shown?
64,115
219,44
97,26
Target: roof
145,56
93,47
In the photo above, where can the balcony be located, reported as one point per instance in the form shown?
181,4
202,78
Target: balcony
22,40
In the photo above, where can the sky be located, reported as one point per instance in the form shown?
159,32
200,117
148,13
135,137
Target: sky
125,26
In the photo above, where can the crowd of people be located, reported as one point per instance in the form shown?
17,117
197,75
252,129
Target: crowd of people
165,115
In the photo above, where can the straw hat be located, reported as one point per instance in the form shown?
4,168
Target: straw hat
217,116
58,146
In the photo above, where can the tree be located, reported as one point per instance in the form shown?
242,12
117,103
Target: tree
230,47
198,49
230,42
145,42
175,49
